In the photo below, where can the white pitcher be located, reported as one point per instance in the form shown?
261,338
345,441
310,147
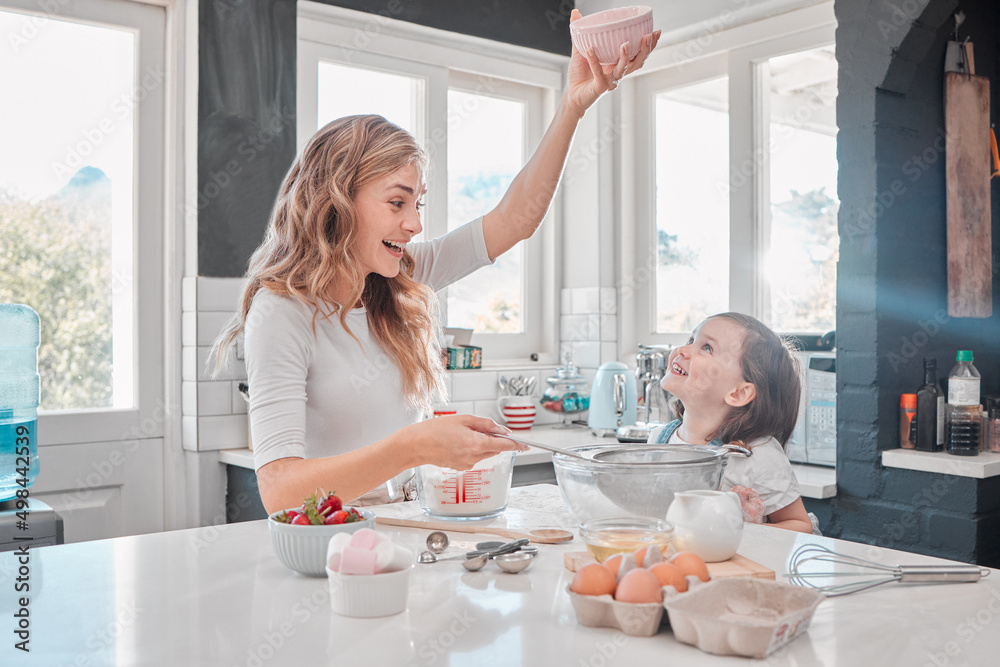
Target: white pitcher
709,523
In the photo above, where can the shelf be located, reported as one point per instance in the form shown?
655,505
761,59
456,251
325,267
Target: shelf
986,464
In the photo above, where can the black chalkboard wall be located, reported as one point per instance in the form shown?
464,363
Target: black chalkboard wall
246,100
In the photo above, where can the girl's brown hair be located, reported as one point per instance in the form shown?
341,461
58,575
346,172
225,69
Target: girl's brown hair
767,363
309,246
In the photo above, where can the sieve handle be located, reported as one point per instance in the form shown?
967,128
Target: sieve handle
736,449
956,574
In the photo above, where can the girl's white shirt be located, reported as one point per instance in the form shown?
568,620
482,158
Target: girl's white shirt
321,395
768,471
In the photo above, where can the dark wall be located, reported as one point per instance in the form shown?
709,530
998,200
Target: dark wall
246,100
537,24
892,277
246,125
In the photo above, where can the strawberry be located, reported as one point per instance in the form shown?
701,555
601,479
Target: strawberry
340,516
330,505
301,520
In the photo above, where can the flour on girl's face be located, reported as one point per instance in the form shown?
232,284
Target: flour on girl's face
708,369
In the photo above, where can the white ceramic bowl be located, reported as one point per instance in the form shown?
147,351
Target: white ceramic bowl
370,595
303,548
606,31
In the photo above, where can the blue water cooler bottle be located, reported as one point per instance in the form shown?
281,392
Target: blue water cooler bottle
19,394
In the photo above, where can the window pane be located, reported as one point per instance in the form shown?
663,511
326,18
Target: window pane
692,204
66,201
346,91
485,152
802,266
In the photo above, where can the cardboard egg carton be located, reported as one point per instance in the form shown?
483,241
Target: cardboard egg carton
636,619
744,616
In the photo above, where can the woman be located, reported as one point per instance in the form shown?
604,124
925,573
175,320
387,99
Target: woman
338,313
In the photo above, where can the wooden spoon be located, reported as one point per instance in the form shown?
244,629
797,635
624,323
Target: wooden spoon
540,536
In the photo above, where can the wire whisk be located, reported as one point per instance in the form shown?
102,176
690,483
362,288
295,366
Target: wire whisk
851,574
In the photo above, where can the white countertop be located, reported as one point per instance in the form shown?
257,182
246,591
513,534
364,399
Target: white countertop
219,596
814,481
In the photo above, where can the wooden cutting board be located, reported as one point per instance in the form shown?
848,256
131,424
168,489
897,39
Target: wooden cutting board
737,566
967,178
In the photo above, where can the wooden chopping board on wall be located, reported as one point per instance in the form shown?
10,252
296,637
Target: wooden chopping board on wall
967,169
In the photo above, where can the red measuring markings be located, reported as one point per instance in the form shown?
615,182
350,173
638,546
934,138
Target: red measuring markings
466,487
449,488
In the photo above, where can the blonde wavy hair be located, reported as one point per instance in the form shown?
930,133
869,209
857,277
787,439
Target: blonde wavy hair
310,244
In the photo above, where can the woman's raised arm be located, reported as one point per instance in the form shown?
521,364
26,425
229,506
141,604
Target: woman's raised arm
526,201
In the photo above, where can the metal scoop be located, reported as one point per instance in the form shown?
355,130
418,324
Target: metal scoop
509,547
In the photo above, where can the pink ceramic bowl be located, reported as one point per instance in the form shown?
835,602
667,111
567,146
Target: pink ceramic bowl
606,31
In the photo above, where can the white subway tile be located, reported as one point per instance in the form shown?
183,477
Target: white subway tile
189,399
565,301
587,354
189,433
586,300
463,407
222,432
234,370
487,409
215,398
189,364
239,403
609,328
609,352
609,300
189,328
189,294
219,293
211,324
579,327
474,385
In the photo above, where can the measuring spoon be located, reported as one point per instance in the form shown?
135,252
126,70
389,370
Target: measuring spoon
540,535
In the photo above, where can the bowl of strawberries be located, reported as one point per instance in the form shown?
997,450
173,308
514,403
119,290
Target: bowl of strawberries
300,536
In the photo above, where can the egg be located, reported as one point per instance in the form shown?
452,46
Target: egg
690,563
593,579
639,585
613,564
670,575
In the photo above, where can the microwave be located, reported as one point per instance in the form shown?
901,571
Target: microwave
814,439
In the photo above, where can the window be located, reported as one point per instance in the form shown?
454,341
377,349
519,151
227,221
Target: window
479,125
737,205
81,201
801,266
692,211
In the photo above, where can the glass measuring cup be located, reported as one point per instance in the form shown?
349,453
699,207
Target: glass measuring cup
479,493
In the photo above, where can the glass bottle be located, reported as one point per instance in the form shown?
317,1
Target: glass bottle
965,415
19,394
930,411
993,444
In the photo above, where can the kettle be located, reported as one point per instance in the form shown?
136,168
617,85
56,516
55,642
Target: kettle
612,399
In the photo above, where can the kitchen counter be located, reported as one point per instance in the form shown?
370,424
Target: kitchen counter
814,481
219,596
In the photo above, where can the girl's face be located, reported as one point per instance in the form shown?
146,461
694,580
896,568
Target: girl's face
388,217
708,370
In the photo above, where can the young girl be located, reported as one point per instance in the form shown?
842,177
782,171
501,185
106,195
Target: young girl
738,383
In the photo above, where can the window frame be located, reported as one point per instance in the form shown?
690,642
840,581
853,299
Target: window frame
742,54
150,413
447,61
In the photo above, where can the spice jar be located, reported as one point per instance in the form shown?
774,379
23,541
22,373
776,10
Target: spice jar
907,429
993,444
